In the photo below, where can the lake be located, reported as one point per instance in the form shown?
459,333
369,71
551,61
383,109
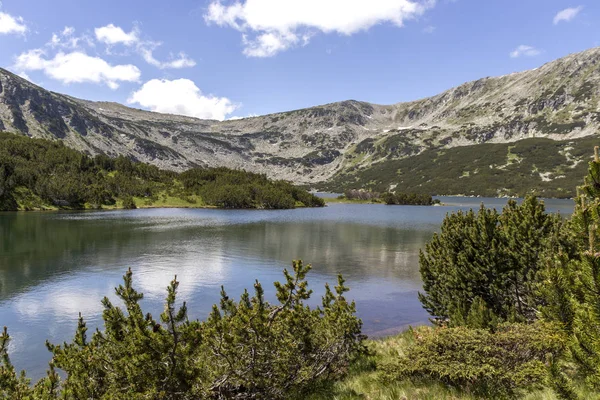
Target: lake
54,265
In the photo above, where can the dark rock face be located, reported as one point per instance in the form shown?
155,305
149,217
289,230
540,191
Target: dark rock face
321,157
554,103
48,112
79,124
18,121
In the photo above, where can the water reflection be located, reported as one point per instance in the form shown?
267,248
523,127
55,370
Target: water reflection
54,265
36,247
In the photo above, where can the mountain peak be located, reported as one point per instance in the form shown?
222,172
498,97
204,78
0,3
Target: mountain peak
558,101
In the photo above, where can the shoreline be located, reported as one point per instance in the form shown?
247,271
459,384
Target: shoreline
182,205
147,207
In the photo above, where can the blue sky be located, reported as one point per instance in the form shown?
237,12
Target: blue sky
228,58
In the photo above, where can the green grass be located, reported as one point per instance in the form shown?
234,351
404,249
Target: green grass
350,201
364,380
163,200
28,201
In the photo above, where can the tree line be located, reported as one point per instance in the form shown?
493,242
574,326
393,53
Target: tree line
35,173
390,198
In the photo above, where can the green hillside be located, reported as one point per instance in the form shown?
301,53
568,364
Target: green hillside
543,167
38,174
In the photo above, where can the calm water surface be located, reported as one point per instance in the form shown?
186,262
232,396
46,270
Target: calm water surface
55,265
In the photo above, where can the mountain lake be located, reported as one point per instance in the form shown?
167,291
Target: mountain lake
54,265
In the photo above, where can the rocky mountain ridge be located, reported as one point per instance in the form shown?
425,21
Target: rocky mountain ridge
310,146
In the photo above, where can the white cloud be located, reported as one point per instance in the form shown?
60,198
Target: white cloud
10,24
77,67
268,44
66,39
271,26
111,34
181,61
524,50
235,118
567,15
25,76
181,96
68,31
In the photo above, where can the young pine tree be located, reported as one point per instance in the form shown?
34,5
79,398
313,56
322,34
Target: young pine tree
485,268
585,275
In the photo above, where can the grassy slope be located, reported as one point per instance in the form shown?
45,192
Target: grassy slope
542,166
364,381
30,202
27,201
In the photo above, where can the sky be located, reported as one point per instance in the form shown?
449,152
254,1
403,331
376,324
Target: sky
224,59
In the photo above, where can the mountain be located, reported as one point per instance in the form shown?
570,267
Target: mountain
352,143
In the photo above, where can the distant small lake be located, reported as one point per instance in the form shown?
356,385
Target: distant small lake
54,265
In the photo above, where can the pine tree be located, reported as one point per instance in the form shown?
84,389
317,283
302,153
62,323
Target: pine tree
571,286
529,234
586,288
249,349
460,264
12,385
484,268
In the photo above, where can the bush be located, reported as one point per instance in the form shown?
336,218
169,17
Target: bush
492,365
275,199
353,194
257,350
249,349
306,198
407,199
129,203
230,188
571,287
485,267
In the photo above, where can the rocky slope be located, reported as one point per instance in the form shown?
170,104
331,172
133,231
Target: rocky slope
558,101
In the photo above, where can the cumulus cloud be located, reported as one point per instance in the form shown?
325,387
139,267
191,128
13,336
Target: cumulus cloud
10,24
111,34
268,44
567,15
524,50
271,26
181,96
77,67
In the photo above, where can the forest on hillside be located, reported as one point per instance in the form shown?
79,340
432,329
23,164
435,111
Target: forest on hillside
539,166
37,174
